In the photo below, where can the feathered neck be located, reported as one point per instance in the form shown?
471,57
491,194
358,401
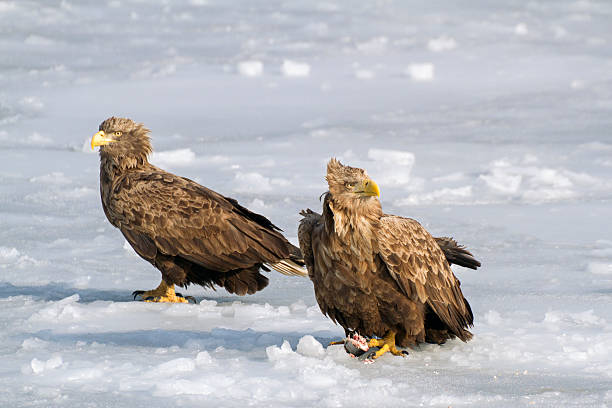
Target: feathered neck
130,153
347,218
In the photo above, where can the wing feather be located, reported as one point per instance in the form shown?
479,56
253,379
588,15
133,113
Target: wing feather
305,236
418,265
183,218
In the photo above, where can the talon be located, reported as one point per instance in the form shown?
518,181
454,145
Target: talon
191,298
386,344
163,293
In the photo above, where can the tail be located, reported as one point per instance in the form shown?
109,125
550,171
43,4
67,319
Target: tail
292,266
457,254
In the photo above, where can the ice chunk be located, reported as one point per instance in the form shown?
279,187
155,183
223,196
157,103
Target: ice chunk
503,182
295,69
420,72
442,43
396,157
175,158
309,346
394,166
521,29
376,45
178,365
600,268
251,68
12,257
441,196
251,182
39,366
276,353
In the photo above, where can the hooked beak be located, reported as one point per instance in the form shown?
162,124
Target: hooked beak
100,139
367,188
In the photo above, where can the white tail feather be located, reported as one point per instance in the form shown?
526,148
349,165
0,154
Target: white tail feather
288,267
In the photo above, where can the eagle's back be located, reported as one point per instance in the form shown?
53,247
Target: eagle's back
179,217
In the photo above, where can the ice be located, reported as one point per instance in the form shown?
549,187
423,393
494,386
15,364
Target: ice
441,196
39,366
442,43
250,68
521,29
251,182
421,71
394,166
600,268
364,74
11,257
309,346
375,45
173,158
295,69
53,178
489,123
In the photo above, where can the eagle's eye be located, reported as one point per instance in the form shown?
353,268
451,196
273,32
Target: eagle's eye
349,184
117,133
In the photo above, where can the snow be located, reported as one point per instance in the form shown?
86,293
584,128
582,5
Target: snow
173,158
421,72
295,69
250,68
521,29
489,123
442,43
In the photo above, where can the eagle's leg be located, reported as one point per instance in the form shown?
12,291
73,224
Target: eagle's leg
163,293
387,343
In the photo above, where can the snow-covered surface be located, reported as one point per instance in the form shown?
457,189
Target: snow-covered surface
487,121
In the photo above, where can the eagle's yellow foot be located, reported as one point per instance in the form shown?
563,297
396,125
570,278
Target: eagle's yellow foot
386,344
163,293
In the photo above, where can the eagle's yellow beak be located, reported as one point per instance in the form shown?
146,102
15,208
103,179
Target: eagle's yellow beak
100,139
367,188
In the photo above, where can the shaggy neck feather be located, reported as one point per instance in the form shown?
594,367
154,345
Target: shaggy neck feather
353,224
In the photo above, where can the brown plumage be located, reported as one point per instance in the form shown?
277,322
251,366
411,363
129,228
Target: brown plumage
192,234
378,274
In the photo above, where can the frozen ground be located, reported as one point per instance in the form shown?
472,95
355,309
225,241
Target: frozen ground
488,122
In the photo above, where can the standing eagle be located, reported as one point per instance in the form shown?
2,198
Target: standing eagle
192,234
382,275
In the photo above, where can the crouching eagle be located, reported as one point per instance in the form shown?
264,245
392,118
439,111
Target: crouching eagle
192,234
382,275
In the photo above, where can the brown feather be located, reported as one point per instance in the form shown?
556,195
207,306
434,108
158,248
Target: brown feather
374,272
189,232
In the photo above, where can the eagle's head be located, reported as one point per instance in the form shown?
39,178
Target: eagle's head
353,203
350,183
123,141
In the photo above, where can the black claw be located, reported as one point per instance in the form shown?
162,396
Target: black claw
137,293
405,353
190,299
179,294
150,298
